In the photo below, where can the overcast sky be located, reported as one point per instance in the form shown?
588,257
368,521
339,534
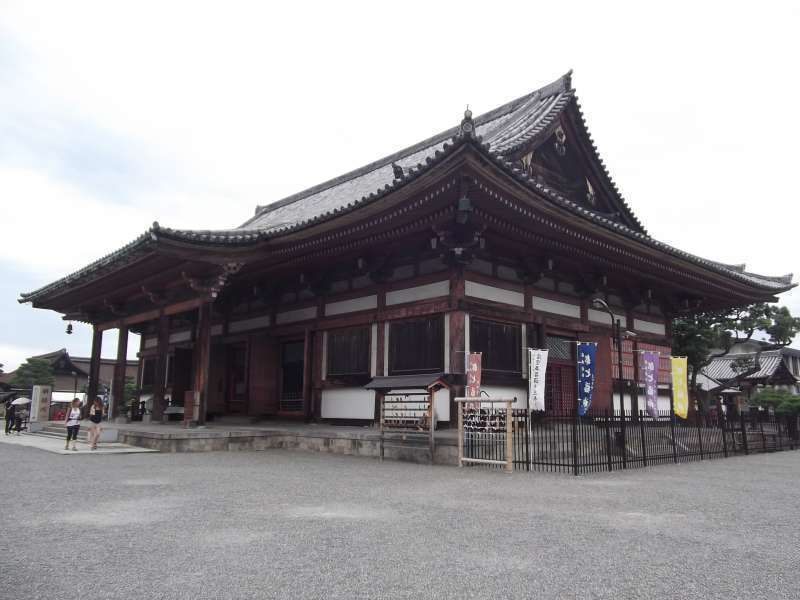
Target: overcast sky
114,115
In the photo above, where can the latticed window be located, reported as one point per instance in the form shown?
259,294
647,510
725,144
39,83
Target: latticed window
500,345
560,380
560,348
416,346
348,352
560,393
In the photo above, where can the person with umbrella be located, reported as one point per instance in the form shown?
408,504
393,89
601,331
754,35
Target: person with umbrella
20,413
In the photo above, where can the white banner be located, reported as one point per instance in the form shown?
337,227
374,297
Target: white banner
537,367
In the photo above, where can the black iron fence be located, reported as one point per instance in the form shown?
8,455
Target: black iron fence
609,441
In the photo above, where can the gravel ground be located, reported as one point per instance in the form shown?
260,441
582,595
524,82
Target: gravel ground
282,524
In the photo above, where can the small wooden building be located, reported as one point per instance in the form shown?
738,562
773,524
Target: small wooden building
492,236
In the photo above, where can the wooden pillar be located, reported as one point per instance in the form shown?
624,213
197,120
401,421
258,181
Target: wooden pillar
161,367
94,366
120,369
457,329
202,363
308,362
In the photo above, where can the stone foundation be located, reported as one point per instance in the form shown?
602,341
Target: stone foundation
366,445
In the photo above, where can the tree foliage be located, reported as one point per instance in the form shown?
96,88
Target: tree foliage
34,371
702,337
781,401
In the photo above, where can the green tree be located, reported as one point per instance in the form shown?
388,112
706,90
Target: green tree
781,401
704,336
34,371
131,391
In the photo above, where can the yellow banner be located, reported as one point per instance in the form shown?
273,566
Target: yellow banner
680,388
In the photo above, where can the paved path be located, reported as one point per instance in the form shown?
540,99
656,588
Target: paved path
56,445
293,525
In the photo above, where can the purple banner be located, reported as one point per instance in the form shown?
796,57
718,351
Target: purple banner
649,377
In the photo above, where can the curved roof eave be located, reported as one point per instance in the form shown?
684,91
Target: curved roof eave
239,237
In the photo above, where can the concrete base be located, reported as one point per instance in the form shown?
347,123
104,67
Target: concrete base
366,444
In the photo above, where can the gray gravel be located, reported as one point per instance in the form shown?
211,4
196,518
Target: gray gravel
282,524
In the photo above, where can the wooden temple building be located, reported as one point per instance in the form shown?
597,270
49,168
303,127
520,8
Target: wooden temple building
492,236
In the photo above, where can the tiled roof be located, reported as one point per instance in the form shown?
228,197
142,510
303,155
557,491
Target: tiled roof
504,129
497,133
721,368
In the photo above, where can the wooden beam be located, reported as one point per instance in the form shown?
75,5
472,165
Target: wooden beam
151,315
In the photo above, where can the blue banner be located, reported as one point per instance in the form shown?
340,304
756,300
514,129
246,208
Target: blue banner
587,352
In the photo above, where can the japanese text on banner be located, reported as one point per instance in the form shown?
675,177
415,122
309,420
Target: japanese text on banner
587,352
537,368
649,378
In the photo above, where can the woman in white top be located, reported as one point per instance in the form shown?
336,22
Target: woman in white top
73,423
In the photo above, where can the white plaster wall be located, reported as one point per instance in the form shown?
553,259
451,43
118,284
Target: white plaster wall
180,336
301,314
352,305
599,316
247,324
420,292
150,342
216,329
348,403
663,401
557,307
494,294
441,404
649,327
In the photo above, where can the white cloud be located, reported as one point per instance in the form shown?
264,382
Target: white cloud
114,115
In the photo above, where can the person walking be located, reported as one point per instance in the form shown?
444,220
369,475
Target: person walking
96,417
10,415
73,423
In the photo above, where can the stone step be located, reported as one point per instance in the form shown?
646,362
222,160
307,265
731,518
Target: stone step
62,435
108,434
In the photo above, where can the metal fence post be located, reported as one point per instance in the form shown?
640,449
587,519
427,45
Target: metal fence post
460,406
698,419
622,428
723,422
575,443
644,443
509,438
672,425
608,442
744,434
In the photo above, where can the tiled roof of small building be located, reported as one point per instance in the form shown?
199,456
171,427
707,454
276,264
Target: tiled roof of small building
721,368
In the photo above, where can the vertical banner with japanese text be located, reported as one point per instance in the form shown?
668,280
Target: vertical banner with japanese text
587,352
648,368
680,391
473,375
537,368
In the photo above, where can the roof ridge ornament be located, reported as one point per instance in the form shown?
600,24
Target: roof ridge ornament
467,126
